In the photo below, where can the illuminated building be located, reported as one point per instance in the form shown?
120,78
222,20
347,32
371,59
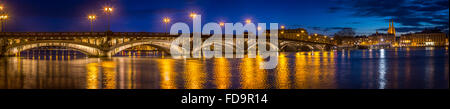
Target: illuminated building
429,37
391,29
302,34
379,39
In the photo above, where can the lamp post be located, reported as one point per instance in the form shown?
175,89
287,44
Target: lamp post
3,19
108,11
91,20
166,21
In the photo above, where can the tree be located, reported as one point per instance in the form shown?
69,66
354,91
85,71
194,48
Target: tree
345,32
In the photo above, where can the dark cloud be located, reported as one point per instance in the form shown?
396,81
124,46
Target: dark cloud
354,23
416,29
404,29
325,29
157,11
413,14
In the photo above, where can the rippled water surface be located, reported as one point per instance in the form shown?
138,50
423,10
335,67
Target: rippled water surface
356,69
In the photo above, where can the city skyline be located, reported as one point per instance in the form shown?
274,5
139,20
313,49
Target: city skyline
322,17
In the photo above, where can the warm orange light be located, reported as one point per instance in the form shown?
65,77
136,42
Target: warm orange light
259,28
91,17
166,20
3,17
108,9
282,27
221,23
193,15
248,21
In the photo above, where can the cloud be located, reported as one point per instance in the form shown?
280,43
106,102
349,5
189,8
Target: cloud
158,11
329,28
404,29
412,14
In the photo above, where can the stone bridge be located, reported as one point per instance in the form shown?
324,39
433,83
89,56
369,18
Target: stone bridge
110,43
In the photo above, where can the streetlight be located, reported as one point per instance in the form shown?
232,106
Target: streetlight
108,11
193,15
221,24
91,20
3,19
166,21
282,27
248,21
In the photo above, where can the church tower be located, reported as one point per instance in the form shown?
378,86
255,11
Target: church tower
391,29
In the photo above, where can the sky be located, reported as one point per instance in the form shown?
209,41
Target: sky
317,16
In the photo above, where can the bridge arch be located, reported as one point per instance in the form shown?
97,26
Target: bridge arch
271,45
163,45
89,50
211,43
285,45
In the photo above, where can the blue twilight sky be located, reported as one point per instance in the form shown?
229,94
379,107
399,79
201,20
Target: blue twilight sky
317,16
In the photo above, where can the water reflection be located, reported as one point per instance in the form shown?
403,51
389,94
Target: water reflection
109,75
252,76
222,74
282,80
382,70
167,74
194,74
92,76
371,69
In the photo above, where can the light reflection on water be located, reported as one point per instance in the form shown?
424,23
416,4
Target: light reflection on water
357,69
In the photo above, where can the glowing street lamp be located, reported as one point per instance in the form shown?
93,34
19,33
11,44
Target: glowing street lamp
166,21
193,15
248,21
221,24
282,27
108,11
3,19
91,20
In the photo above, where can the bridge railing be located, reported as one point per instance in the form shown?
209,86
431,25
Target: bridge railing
56,34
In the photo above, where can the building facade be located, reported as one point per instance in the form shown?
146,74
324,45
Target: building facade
425,38
302,34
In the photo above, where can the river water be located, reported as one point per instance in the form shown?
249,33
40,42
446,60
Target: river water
399,68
